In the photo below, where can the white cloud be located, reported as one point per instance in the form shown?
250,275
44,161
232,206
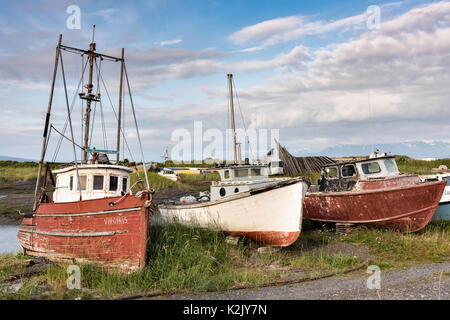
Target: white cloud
107,14
274,31
169,42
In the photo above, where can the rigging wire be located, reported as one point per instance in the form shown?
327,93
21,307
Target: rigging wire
243,122
105,139
122,127
227,136
58,147
82,106
137,128
65,137
70,122
370,120
115,115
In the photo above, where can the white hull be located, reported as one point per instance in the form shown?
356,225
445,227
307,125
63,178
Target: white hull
272,216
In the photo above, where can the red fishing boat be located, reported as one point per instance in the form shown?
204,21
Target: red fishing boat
372,191
87,211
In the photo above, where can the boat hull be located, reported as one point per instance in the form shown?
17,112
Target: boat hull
442,212
272,216
405,208
90,231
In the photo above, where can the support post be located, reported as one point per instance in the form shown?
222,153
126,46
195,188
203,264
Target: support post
47,122
230,76
120,107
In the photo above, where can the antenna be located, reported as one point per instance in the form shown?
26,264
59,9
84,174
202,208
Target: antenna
166,154
93,32
370,120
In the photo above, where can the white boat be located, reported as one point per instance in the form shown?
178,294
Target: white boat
443,210
267,210
245,202
168,173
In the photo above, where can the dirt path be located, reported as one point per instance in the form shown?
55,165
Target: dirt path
415,283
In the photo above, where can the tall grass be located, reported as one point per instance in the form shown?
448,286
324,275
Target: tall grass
157,181
200,177
194,260
11,174
408,165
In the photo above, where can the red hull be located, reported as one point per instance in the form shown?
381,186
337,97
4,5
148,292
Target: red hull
91,231
270,238
404,208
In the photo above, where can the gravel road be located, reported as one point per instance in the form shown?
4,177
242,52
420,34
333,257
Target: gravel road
422,282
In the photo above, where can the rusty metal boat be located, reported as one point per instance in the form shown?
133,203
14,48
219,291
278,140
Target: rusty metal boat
87,210
373,191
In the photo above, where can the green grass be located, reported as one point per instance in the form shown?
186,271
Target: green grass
200,177
390,249
11,174
195,260
10,264
157,182
12,209
408,165
187,259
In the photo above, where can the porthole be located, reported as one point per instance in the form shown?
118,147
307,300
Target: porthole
222,192
236,190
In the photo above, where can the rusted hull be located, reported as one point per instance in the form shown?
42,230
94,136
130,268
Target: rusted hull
91,231
405,208
270,238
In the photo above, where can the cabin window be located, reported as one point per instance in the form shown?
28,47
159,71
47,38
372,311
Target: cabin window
71,183
113,183
98,183
124,185
227,174
276,164
390,165
348,170
446,179
332,172
255,172
83,180
241,173
371,168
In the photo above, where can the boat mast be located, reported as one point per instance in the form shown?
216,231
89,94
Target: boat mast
47,122
120,106
89,97
230,76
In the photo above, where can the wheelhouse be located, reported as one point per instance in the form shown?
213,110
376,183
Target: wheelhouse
363,169
96,181
244,173
345,175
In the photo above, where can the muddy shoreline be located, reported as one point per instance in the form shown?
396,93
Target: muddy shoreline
15,196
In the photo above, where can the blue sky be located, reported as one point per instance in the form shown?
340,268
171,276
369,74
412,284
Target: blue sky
307,68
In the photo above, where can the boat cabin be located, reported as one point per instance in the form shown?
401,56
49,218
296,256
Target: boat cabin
96,181
343,176
239,179
244,173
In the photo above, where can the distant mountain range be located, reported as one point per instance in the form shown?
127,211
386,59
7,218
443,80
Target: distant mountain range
4,158
413,149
